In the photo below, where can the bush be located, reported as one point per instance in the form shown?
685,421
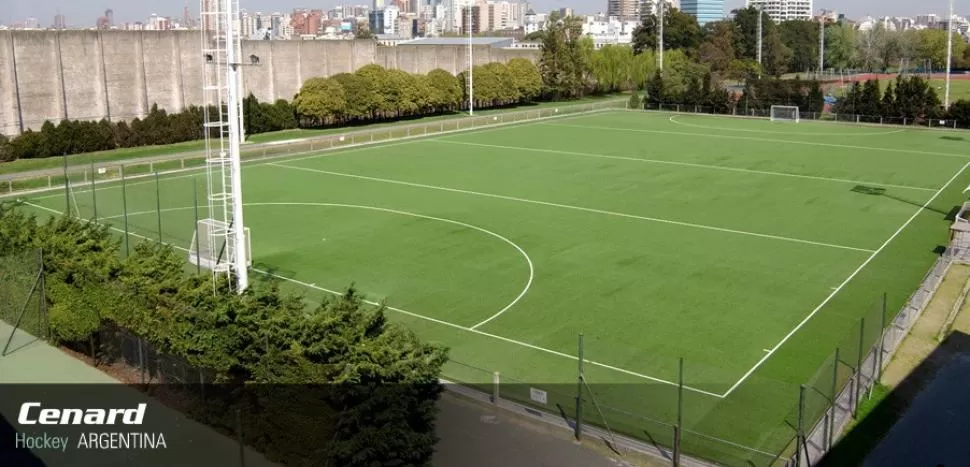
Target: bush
371,384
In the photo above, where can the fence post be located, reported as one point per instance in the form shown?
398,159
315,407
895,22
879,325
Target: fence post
158,207
67,188
679,429
141,360
239,435
579,393
835,399
94,192
802,446
858,369
882,335
496,383
124,206
195,201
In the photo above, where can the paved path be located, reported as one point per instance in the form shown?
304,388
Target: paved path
472,434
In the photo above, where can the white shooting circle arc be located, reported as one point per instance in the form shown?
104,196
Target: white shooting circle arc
519,249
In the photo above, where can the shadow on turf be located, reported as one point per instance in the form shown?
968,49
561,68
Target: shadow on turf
606,442
879,191
868,433
9,454
953,138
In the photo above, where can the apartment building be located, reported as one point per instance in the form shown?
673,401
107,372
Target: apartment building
784,10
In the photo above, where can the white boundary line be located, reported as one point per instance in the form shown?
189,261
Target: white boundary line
528,260
763,140
684,164
319,152
577,208
427,318
673,119
846,281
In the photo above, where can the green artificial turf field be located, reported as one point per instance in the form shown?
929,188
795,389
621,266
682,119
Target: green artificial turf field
748,248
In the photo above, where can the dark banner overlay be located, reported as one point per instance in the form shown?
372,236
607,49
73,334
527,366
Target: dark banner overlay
255,425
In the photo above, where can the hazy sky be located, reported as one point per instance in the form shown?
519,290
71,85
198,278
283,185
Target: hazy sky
86,12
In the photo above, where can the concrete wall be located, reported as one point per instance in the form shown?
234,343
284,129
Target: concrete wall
89,75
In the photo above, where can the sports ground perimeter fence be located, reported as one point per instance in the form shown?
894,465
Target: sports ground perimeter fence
821,407
741,109
83,169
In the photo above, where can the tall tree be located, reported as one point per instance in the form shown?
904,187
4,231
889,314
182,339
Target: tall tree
561,63
801,37
681,31
718,50
321,101
840,46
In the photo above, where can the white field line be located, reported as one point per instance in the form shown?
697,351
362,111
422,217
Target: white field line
673,119
315,153
438,321
846,281
685,164
519,249
577,208
819,122
763,140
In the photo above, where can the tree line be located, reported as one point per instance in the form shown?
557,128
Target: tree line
912,99
337,384
730,47
373,93
158,127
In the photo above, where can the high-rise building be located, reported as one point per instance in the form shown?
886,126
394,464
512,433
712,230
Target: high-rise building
109,14
705,11
784,10
623,8
59,21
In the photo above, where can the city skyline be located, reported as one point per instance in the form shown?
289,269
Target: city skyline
84,13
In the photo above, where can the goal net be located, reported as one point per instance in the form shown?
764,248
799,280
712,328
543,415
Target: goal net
209,248
784,113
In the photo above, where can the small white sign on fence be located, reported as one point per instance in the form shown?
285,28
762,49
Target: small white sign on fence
537,395
102,171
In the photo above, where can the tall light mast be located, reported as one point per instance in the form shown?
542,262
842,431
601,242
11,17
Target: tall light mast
222,79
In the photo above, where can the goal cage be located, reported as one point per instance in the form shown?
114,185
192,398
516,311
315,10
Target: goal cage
209,247
784,113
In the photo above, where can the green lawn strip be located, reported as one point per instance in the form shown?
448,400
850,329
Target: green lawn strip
189,146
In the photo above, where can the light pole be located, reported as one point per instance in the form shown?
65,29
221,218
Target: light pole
949,55
471,65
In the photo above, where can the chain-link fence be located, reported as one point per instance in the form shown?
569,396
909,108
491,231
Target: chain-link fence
22,303
88,171
742,110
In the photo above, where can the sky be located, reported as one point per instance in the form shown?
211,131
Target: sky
85,12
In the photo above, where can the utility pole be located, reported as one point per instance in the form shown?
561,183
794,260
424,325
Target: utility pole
660,34
821,45
471,65
760,34
949,54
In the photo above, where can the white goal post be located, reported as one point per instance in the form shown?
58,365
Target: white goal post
784,113
209,249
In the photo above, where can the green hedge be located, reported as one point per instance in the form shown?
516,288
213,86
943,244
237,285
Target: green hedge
378,384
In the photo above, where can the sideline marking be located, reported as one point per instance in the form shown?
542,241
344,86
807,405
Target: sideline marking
763,132
751,138
577,208
846,281
438,321
320,153
685,164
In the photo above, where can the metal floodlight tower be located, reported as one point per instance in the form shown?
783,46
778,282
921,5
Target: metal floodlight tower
949,55
760,33
661,4
221,52
471,63
821,44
